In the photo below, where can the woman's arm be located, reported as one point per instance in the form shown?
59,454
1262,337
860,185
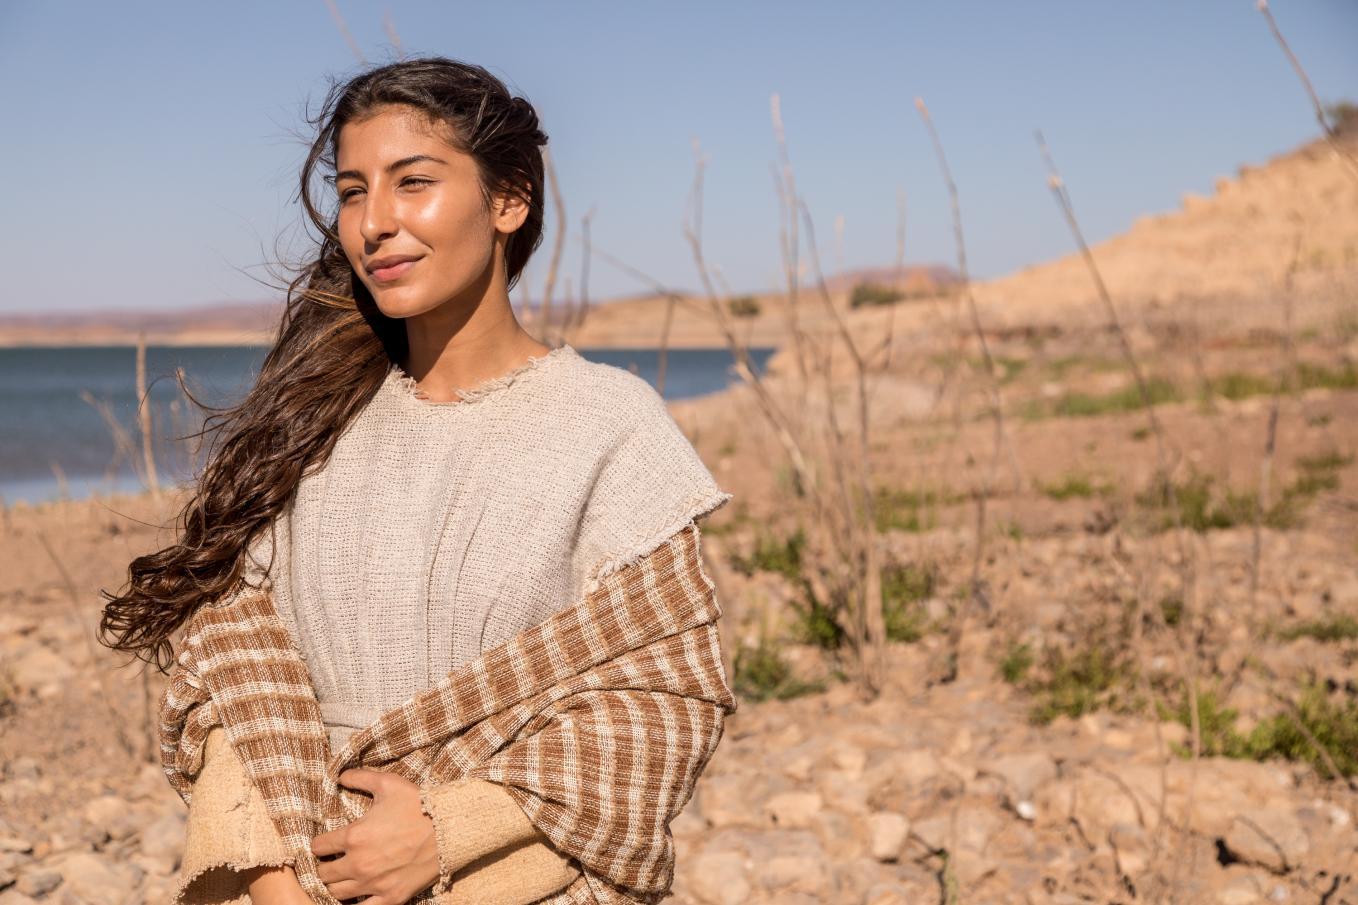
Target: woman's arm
492,853
275,886
412,837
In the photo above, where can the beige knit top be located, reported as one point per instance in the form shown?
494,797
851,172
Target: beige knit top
438,530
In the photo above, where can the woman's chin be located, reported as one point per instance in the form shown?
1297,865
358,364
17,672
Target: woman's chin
400,308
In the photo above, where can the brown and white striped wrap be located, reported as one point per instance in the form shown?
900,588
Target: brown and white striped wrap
598,721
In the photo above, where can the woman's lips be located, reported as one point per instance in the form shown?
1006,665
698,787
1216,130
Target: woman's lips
394,272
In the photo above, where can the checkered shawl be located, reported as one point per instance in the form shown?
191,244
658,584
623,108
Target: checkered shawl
597,721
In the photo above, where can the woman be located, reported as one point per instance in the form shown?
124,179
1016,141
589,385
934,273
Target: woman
418,488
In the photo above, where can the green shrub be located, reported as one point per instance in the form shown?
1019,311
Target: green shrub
1091,678
1074,486
743,306
1312,376
1018,659
1127,399
910,510
873,294
1237,386
1342,627
1216,728
762,673
772,554
1333,725
1172,609
816,624
1201,508
1343,117
905,587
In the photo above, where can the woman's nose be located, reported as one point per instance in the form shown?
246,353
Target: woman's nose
379,218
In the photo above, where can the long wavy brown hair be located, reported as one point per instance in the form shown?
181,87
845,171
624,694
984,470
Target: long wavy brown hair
332,351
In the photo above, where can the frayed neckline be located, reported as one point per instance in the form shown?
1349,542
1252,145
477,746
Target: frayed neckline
409,388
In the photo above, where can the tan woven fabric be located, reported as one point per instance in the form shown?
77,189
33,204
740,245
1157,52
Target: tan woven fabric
597,720
500,857
433,532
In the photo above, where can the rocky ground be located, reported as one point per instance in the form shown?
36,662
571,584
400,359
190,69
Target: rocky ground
935,791
1056,765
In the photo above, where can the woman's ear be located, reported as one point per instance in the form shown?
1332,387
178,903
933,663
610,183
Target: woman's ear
509,211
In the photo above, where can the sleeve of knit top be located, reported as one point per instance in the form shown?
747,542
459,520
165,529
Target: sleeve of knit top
228,831
489,853
651,484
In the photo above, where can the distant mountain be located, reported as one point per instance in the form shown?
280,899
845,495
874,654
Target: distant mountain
1295,213
247,323
222,323
916,280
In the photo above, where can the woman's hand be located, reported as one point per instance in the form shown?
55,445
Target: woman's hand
390,853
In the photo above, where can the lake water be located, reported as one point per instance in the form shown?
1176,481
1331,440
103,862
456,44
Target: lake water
63,409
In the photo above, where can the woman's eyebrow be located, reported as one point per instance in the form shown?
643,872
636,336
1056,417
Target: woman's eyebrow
392,167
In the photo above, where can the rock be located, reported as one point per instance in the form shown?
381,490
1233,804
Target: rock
915,768
163,839
850,758
39,669
725,801
794,810
1241,889
881,894
1022,773
688,823
933,831
113,815
844,791
800,767
975,827
1095,801
14,897
23,768
839,836
798,871
162,867
1272,837
719,878
38,882
887,832
970,867
96,881
1131,848
15,844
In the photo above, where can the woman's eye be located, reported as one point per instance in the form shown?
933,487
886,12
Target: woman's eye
415,181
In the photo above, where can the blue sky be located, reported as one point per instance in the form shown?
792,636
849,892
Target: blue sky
151,149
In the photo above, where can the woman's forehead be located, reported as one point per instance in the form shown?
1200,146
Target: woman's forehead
394,131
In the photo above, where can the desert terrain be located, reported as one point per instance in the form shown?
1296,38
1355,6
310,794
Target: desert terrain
1034,739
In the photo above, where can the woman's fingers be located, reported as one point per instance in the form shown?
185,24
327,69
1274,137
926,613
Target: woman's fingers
346,889
334,871
331,843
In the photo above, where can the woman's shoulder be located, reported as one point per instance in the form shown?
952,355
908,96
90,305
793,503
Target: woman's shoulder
604,381
618,396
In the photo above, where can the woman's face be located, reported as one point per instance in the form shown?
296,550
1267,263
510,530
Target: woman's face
412,220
